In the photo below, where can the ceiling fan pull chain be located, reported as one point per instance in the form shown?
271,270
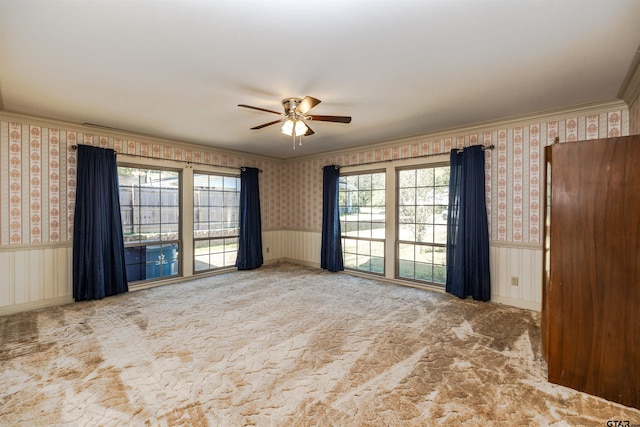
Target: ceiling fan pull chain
293,136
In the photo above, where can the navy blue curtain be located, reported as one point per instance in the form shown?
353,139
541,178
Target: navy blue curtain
250,239
468,231
331,249
99,268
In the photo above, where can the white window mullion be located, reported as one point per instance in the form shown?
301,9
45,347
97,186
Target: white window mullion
390,229
186,202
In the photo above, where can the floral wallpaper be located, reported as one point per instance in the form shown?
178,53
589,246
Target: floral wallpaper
38,178
513,171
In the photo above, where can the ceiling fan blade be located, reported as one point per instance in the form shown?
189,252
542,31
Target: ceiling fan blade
309,131
336,119
266,124
307,104
260,109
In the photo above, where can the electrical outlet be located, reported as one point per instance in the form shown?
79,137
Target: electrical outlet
514,281
267,250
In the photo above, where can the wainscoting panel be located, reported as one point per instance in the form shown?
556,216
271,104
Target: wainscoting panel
272,245
33,278
525,264
302,247
41,276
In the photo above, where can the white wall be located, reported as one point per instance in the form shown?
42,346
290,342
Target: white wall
302,247
273,246
523,262
35,277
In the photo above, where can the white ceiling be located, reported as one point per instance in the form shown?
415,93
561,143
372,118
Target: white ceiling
178,68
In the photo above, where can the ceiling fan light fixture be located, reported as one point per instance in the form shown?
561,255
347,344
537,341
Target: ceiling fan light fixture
300,128
294,127
287,127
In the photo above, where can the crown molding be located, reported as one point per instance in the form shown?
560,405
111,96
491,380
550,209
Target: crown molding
630,88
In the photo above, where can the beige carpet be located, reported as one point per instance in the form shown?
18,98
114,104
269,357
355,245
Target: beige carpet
284,346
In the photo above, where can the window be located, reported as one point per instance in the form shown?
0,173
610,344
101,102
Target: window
216,211
362,218
423,196
150,211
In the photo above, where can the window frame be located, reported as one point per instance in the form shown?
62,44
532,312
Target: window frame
370,240
177,242
209,238
415,242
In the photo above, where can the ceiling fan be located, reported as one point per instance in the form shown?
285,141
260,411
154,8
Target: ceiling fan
295,116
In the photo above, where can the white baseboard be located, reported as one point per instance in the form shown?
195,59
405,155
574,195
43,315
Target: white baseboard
18,308
527,305
272,261
301,262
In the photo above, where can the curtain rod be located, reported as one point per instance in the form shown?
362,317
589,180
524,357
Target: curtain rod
242,168
484,147
460,150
